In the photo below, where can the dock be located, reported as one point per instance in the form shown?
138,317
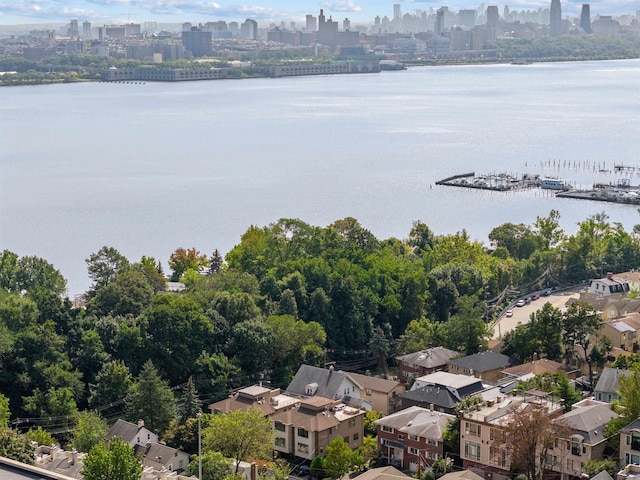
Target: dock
498,182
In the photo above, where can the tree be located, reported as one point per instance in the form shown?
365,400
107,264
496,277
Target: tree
104,266
16,446
215,466
37,274
151,399
5,413
113,462
339,459
581,324
530,433
129,293
113,383
90,431
380,347
182,260
370,428
239,435
215,262
190,405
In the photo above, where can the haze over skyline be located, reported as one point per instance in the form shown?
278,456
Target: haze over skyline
264,11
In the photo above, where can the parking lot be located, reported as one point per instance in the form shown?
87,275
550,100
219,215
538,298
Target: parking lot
522,314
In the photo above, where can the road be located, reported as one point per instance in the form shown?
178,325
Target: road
522,315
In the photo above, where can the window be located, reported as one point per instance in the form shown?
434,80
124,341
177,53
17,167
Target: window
413,451
387,429
280,426
432,456
413,437
368,391
432,441
303,433
569,464
498,456
497,434
281,442
356,436
472,429
303,448
352,422
346,439
401,436
575,447
635,441
472,450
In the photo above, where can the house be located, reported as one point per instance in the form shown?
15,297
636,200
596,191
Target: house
609,384
609,307
623,331
538,367
630,444
610,285
484,365
587,421
382,394
632,278
483,424
305,430
58,460
441,391
14,470
162,457
412,438
255,397
461,475
325,382
134,435
424,362
383,473
630,472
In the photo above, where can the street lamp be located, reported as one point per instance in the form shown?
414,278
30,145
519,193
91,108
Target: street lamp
199,447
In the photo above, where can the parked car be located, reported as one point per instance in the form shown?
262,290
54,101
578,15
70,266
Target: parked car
546,293
527,300
535,297
520,303
509,313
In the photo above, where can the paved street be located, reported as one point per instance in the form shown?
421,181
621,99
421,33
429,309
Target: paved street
522,314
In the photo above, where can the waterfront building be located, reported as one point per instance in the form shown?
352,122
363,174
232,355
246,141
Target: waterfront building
585,18
493,17
555,18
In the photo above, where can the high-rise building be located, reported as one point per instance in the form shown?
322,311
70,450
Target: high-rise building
585,18
467,18
311,24
73,30
249,29
555,19
346,24
86,29
493,17
438,28
397,11
197,41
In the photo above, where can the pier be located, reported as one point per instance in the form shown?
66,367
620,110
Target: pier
499,182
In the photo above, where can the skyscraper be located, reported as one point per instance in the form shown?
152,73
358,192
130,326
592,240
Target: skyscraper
555,23
493,17
439,25
197,41
397,12
86,29
585,18
311,23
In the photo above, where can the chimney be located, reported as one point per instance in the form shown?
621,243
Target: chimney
254,471
535,356
140,423
609,275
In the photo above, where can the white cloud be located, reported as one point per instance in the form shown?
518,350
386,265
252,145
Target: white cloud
341,6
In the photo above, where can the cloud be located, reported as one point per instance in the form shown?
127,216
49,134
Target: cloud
341,6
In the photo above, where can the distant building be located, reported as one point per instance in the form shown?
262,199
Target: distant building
198,42
418,364
484,365
608,384
249,29
311,24
585,18
438,27
555,18
467,18
609,285
86,29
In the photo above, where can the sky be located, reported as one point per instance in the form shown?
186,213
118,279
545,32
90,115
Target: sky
14,12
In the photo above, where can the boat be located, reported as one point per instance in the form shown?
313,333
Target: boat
552,183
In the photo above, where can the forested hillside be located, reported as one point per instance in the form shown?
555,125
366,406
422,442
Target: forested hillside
288,293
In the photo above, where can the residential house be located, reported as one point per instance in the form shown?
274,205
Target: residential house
14,470
538,367
382,394
630,472
632,278
383,473
608,384
162,457
587,421
461,475
305,430
441,391
134,435
609,307
412,438
623,331
324,382
484,365
482,425
255,397
610,285
55,459
630,444
424,362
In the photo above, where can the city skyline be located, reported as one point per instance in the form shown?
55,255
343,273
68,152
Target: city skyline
14,12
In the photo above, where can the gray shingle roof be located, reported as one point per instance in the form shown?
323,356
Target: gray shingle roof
124,430
609,381
485,361
430,358
590,422
328,381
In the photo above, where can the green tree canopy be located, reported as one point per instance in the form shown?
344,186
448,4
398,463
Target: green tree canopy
151,399
113,462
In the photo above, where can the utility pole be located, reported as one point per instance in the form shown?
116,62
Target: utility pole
199,447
